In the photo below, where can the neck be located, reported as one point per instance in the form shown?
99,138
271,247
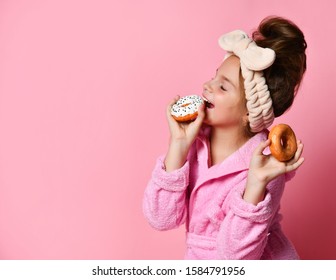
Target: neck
224,142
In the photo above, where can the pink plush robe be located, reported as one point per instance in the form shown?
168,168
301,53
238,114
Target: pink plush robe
219,223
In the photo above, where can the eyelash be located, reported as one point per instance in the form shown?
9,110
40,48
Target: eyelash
222,88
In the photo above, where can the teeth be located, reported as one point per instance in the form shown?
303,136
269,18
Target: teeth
208,104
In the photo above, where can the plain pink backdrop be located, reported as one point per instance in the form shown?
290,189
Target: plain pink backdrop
83,90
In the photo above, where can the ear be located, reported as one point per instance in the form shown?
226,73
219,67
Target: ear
246,119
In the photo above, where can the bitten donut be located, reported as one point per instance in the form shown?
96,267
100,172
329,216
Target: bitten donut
185,109
283,142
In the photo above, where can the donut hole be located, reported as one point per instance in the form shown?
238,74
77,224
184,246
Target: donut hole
284,142
185,105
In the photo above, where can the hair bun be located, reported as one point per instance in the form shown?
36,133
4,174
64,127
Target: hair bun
280,32
285,75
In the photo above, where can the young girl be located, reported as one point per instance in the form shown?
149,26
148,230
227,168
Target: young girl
217,176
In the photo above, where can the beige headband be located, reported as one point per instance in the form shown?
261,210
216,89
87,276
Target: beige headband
253,59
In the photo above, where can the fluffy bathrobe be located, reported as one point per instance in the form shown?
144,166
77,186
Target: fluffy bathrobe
219,223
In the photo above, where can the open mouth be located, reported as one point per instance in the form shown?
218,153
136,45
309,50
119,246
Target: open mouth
208,104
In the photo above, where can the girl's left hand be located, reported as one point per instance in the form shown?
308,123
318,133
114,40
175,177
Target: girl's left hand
265,168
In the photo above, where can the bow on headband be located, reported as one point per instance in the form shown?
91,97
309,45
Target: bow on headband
253,59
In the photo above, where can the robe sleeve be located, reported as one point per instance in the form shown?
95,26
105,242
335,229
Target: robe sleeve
244,231
164,203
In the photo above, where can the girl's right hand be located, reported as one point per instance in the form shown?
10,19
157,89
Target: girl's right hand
182,135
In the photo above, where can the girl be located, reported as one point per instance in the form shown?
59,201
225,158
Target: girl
216,177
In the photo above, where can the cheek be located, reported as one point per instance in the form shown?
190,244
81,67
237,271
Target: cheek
231,106
233,110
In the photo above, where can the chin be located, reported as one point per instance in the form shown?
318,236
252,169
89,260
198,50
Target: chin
207,122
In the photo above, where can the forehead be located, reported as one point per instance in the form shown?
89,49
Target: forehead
230,68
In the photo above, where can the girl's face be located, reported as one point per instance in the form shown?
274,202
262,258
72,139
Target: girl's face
226,103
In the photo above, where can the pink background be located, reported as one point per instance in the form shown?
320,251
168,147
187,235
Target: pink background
83,90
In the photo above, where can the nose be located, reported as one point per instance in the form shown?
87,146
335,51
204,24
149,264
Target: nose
207,86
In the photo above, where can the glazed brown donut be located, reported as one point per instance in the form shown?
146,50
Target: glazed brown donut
283,142
186,108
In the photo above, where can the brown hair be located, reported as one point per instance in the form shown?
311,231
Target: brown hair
285,75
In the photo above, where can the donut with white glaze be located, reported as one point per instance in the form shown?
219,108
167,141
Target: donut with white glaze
185,109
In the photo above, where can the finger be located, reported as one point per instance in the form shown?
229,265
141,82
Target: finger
298,153
168,111
295,165
262,146
299,150
195,126
172,102
200,115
